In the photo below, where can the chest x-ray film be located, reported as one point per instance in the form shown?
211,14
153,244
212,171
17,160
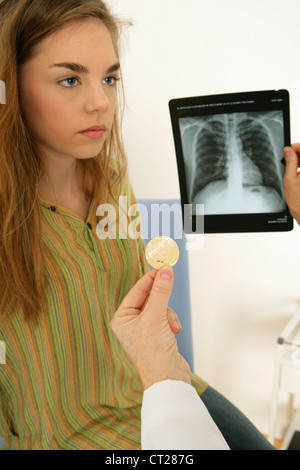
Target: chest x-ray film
230,161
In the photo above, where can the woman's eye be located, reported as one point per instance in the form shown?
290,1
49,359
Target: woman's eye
111,81
69,82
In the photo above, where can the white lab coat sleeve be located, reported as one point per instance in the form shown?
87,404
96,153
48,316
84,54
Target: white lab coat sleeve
175,418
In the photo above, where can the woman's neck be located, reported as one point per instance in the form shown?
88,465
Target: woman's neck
59,184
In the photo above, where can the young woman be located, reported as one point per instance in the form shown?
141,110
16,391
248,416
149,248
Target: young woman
67,382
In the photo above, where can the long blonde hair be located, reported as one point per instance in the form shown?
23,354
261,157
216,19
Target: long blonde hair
23,24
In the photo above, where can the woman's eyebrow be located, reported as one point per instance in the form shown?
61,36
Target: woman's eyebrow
114,68
81,68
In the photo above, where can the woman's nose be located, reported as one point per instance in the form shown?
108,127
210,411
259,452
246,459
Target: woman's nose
97,99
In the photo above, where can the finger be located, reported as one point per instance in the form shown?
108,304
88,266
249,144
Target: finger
161,291
139,293
291,160
174,322
296,147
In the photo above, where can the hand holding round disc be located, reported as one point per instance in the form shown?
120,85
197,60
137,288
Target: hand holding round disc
162,251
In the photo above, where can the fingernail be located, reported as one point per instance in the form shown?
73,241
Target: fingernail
178,325
175,321
166,273
286,151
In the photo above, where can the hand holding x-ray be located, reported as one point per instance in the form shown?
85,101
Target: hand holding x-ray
291,180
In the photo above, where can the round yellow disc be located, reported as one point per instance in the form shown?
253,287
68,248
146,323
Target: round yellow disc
162,251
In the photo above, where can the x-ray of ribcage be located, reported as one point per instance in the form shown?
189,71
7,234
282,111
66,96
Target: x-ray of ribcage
233,162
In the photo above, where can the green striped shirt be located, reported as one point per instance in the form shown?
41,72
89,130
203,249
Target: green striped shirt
67,383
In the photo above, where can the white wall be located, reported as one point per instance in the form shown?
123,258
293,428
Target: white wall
244,287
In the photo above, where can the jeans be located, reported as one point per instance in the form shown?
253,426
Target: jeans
237,430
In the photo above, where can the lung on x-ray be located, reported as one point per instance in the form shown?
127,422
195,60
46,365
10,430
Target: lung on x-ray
230,160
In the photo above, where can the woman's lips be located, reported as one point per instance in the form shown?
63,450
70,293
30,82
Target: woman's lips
95,132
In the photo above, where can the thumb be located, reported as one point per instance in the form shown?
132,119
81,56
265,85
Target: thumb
161,291
291,161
